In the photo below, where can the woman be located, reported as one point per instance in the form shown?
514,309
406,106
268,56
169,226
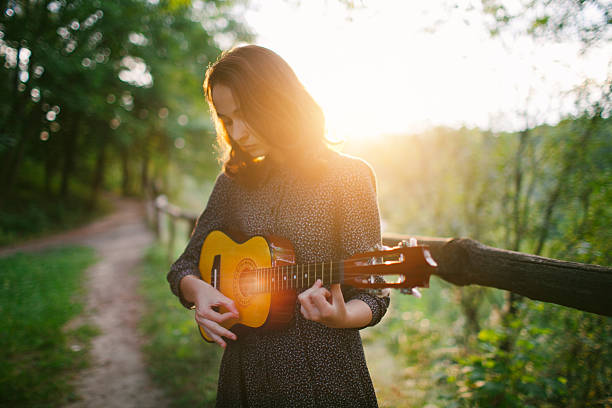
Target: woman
281,178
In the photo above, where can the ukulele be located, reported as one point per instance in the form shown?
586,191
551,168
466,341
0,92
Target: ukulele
260,275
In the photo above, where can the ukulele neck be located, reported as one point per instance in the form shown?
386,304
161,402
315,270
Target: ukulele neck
279,278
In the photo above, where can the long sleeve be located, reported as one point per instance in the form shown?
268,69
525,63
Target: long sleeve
359,227
212,218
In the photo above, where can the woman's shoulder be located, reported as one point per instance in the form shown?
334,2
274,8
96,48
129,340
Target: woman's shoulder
344,161
346,169
222,186
222,182
223,179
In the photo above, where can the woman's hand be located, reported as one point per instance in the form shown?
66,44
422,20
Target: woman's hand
328,307
205,298
321,305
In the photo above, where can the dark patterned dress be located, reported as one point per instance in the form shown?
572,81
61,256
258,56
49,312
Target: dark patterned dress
307,364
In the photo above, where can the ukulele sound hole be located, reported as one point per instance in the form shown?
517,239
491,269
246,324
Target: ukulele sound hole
248,283
245,281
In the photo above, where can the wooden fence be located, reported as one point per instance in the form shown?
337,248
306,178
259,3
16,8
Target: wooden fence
463,261
164,216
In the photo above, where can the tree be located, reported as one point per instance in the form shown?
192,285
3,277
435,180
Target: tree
93,84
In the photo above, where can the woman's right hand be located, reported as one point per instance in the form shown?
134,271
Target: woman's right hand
205,298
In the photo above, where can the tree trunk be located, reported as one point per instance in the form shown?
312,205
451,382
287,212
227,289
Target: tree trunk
12,122
24,133
144,169
518,184
13,110
98,179
50,166
125,171
569,163
70,139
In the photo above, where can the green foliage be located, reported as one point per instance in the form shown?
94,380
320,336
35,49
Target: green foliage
30,213
416,333
39,295
179,360
587,21
107,93
480,347
560,357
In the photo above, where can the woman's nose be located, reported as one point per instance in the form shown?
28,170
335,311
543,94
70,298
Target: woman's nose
240,131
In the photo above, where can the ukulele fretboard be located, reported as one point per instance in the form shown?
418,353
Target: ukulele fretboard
275,279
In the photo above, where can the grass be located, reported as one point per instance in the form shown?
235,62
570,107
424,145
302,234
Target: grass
39,294
409,350
179,360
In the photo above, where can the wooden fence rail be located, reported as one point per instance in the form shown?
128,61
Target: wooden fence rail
463,261
159,207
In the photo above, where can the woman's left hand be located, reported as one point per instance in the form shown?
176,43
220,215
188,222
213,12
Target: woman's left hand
324,306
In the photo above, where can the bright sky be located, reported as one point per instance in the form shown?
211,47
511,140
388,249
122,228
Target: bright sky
378,69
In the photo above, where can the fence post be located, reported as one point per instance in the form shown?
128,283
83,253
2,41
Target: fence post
171,234
161,203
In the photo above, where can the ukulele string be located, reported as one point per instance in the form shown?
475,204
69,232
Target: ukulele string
310,270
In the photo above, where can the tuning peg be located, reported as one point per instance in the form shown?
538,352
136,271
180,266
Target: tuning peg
411,291
411,242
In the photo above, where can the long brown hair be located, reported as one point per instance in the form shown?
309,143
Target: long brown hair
275,105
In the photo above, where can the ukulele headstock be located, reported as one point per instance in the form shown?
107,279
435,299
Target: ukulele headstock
406,266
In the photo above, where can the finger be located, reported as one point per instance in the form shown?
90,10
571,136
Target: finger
336,293
305,300
229,304
215,316
326,293
211,335
310,312
308,309
305,312
320,302
305,295
321,292
217,339
312,289
215,328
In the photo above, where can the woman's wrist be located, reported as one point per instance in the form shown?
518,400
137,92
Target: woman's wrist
189,285
358,314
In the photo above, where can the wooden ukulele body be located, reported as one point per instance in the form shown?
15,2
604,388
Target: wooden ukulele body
228,265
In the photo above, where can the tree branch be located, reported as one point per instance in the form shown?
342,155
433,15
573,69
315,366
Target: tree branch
463,261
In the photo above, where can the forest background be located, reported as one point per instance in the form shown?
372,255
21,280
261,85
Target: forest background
105,96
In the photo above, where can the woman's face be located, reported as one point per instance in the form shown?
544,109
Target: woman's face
229,112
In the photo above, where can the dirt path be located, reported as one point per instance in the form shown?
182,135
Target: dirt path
117,376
